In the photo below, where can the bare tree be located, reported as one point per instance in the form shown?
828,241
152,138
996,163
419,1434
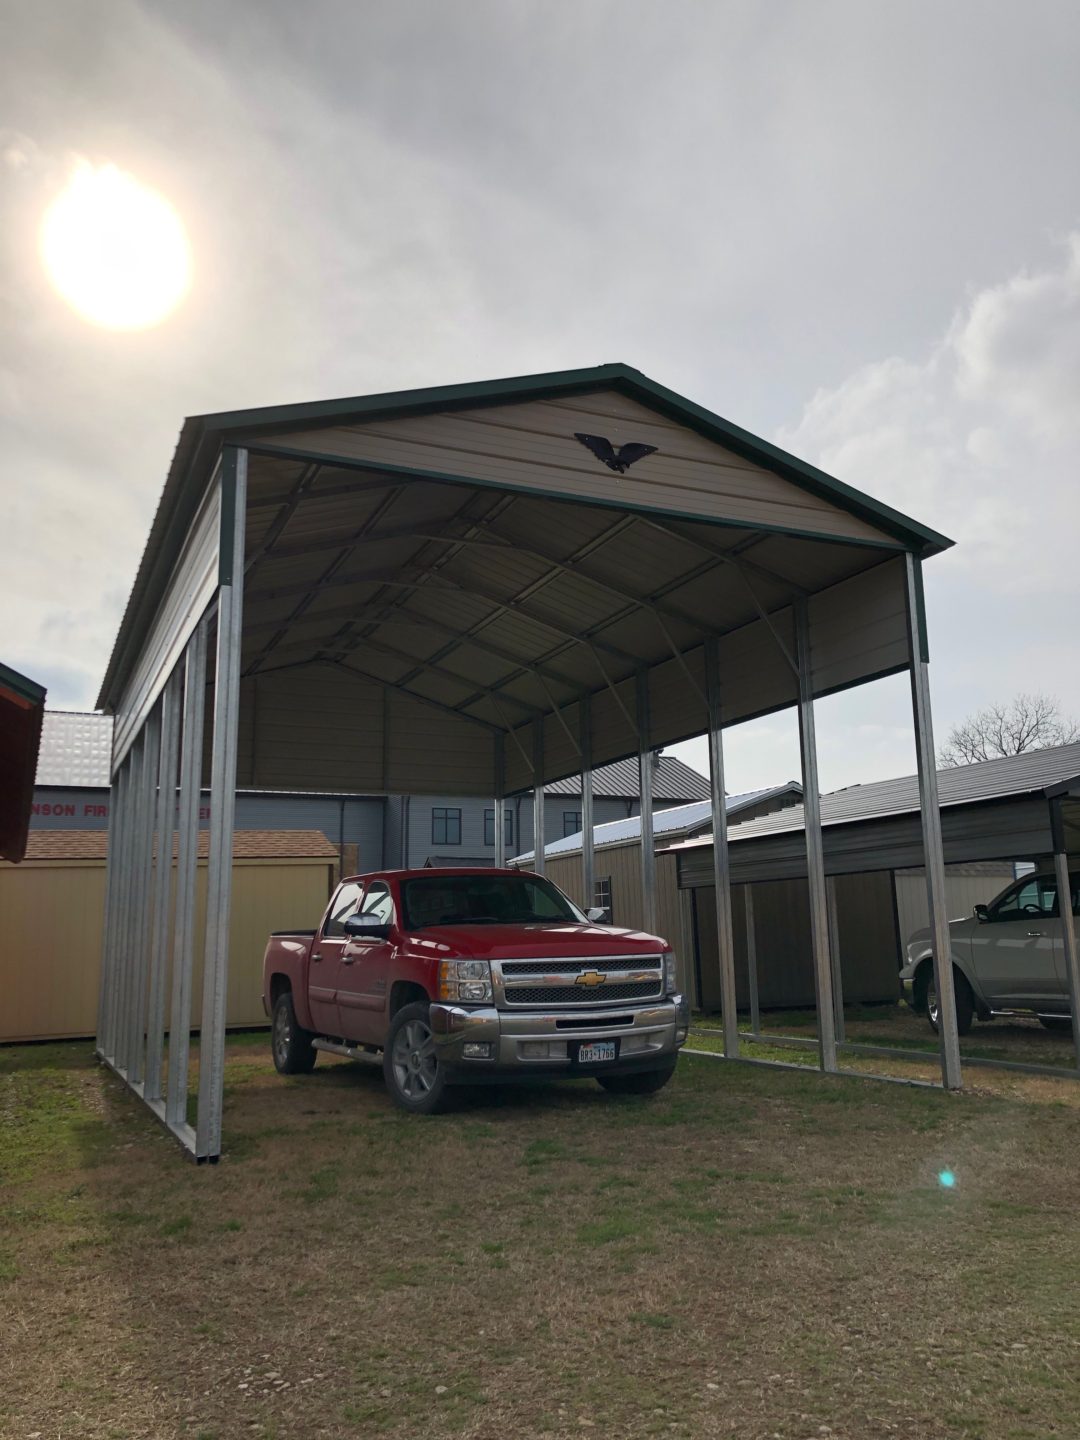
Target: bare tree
1027,722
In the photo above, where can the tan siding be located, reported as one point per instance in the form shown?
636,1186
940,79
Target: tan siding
531,446
50,967
963,891
859,627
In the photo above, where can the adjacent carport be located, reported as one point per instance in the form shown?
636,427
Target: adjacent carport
1017,807
475,589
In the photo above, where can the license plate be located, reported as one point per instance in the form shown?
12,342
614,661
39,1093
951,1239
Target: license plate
592,1052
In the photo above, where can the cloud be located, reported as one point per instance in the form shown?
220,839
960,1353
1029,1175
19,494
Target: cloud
980,438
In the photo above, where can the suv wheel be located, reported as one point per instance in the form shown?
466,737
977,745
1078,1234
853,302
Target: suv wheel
294,1053
414,1077
643,1082
965,1001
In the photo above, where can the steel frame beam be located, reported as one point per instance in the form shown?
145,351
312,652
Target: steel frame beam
539,858
751,958
163,870
499,766
588,838
725,936
222,804
930,814
1065,911
815,860
645,783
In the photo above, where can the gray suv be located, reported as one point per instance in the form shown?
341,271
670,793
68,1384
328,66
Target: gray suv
1008,956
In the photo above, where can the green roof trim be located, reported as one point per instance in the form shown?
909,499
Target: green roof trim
21,685
203,436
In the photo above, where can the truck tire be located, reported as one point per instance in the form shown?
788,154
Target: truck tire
965,1001
290,1043
643,1082
1056,1022
415,1079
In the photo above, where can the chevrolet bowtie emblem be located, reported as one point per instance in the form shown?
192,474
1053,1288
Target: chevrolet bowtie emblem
590,977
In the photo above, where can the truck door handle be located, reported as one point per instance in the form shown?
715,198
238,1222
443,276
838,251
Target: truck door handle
347,959
316,956
1033,934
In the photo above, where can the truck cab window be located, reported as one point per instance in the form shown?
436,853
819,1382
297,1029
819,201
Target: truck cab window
377,902
344,904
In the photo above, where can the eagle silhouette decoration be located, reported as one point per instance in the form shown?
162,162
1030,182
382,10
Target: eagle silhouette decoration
618,460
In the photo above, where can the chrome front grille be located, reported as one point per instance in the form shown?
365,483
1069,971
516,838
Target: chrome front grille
579,982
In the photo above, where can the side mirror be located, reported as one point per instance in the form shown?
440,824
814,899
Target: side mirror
597,915
982,912
366,927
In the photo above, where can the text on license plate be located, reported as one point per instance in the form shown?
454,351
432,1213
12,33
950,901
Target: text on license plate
596,1050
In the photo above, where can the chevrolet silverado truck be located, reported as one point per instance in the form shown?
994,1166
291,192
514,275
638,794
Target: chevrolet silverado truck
451,977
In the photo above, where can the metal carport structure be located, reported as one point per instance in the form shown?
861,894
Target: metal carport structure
450,589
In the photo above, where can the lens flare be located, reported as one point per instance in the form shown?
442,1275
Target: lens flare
115,250
946,1178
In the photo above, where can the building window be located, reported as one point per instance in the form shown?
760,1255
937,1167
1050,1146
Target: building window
445,826
602,899
508,827
571,822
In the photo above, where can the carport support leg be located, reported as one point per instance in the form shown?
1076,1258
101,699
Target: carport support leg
933,848
834,957
500,822
645,778
1065,911
538,797
725,932
815,855
187,852
588,853
751,960
222,801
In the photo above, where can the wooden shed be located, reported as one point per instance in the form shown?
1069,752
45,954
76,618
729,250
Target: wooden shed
52,911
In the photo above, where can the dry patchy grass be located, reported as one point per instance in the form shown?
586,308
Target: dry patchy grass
753,1253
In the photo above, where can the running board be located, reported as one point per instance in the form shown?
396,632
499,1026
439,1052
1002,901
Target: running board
351,1052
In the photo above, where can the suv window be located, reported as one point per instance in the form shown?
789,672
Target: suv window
343,905
1034,896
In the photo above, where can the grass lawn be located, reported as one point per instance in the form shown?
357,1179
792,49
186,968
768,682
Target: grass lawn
753,1253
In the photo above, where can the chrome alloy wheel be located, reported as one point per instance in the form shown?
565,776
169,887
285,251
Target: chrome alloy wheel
414,1060
282,1035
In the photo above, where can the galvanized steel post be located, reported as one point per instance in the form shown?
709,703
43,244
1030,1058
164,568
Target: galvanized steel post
725,935
145,872
109,923
500,785
751,960
834,958
588,846
815,858
645,779
163,870
538,796
222,800
933,847
1065,911
187,856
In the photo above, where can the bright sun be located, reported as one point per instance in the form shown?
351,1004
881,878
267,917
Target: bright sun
115,250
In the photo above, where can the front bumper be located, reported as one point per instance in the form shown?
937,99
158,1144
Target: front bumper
532,1044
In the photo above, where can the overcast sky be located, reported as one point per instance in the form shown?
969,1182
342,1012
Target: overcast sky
851,227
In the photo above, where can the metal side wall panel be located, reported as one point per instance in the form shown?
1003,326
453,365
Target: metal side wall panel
190,590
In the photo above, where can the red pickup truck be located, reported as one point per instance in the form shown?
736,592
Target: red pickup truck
460,976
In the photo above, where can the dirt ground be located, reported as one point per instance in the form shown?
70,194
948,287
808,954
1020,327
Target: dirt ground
755,1253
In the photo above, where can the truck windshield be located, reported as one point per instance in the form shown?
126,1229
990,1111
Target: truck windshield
483,900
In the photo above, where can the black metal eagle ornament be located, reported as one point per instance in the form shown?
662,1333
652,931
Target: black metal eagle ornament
618,460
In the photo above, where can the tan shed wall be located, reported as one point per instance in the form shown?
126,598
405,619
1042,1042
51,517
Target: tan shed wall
963,891
51,921
531,446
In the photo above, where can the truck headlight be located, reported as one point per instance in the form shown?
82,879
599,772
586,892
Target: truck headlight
670,981
468,980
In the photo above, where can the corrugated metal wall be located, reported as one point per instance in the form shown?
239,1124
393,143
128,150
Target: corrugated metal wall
51,915
867,939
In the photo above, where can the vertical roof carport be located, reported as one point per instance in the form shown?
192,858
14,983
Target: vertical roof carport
447,590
